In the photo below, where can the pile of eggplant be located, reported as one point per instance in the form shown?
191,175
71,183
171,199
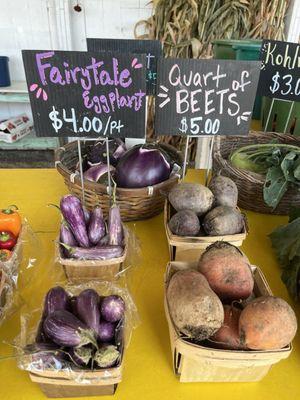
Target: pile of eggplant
84,331
85,235
141,166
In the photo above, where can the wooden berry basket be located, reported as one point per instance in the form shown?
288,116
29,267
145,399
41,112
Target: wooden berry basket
195,363
63,384
86,270
190,248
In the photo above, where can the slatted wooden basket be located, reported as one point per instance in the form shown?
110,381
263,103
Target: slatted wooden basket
250,184
196,363
190,248
135,204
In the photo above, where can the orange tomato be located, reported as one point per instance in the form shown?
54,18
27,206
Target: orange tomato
10,220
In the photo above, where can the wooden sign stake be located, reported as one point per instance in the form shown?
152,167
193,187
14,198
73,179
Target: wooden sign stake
81,170
186,150
209,160
108,170
269,115
289,116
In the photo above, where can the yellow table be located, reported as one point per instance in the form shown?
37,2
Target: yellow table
148,369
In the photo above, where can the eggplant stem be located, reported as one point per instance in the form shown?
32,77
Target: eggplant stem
53,205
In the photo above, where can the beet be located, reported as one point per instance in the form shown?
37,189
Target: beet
185,223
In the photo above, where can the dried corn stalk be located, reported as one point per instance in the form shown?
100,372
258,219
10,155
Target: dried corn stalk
187,28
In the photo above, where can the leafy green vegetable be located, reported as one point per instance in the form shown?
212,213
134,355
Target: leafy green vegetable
286,243
279,162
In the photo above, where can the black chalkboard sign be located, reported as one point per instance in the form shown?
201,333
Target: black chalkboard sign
152,49
85,94
205,97
280,70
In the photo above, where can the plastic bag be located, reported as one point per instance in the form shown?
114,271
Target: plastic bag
17,272
48,357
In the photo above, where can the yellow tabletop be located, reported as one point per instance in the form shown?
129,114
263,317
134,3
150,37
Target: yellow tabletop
148,368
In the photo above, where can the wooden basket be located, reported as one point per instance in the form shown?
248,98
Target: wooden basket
250,185
63,384
135,204
195,363
86,270
190,248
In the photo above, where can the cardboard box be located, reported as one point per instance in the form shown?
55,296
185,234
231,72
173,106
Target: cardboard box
14,129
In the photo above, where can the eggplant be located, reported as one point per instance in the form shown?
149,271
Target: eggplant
95,172
72,211
98,152
142,166
87,309
87,215
66,236
107,356
45,356
56,299
40,335
96,229
96,253
115,227
112,308
104,241
106,331
64,329
80,356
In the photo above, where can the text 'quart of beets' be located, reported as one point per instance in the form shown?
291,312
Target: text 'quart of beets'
86,94
205,97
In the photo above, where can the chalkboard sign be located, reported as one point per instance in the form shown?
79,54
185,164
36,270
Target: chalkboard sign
205,97
280,70
85,94
152,49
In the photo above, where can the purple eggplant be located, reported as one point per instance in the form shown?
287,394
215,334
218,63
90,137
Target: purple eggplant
95,172
66,236
40,335
106,331
87,215
96,253
104,241
72,211
56,299
115,227
112,308
87,309
80,356
107,356
45,356
98,152
64,329
96,229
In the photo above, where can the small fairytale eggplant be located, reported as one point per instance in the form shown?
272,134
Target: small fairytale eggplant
56,299
44,356
80,356
64,329
112,308
107,356
115,227
72,211
87,215
87,309
104,241
96,253
96,229
95,172
66,236
106,331
40,335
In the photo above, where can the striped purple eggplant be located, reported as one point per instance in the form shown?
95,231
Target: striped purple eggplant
64,329
45,356
87,215
96,253
66,236
107,356
106,331
87,309
96,229
115,227
103,241
80,356
112,308
72,211
56,299
95,172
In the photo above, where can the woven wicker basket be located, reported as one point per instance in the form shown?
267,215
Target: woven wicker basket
135,204
250,185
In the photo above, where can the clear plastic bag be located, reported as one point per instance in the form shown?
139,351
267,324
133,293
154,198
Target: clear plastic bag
49,359
17,272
